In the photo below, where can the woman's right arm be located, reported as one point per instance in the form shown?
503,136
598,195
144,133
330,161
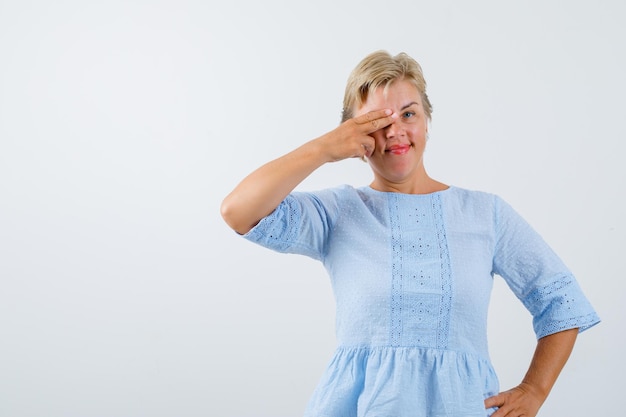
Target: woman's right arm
263,190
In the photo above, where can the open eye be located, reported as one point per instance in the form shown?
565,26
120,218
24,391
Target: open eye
408,114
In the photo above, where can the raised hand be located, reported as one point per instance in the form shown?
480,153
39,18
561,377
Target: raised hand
261,191
352,138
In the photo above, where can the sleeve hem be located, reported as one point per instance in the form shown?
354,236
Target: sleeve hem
582,323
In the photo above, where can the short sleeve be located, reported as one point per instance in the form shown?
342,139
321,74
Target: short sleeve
538,277
301,224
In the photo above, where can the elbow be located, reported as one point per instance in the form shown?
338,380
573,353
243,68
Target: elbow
230,215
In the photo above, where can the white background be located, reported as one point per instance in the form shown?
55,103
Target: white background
123,124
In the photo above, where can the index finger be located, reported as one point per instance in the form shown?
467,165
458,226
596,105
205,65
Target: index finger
495,401
377,119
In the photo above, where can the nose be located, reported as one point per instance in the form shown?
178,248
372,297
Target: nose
393,130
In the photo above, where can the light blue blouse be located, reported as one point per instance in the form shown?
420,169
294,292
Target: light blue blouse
412,276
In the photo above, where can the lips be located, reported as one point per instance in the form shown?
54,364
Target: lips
398,149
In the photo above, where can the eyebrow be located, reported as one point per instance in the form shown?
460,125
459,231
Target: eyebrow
406,106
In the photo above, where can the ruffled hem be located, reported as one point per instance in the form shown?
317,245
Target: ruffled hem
403,381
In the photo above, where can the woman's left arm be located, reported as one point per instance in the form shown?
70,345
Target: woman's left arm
550,356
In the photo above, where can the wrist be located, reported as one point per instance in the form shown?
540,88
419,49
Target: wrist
537,390
320,150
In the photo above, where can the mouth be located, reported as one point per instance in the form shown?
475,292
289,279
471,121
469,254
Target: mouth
398,149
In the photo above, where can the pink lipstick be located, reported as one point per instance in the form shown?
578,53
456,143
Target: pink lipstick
399,149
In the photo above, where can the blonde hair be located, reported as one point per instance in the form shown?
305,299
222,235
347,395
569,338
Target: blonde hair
380,69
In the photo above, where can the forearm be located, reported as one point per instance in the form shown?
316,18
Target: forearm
551,354
261,192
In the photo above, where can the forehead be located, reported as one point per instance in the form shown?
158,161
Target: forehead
394,96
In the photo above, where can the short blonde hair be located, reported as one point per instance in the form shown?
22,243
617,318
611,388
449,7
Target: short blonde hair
380,69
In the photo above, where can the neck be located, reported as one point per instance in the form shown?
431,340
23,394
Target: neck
422,185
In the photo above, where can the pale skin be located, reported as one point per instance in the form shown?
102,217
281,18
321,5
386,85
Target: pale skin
389,129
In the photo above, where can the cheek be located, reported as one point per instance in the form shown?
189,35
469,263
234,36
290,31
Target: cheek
418,130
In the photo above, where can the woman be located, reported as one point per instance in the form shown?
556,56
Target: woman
411,261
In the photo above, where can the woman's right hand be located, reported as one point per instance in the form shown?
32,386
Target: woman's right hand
259,193
352,138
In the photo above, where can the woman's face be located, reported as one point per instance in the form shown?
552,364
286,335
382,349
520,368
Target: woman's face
399,147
